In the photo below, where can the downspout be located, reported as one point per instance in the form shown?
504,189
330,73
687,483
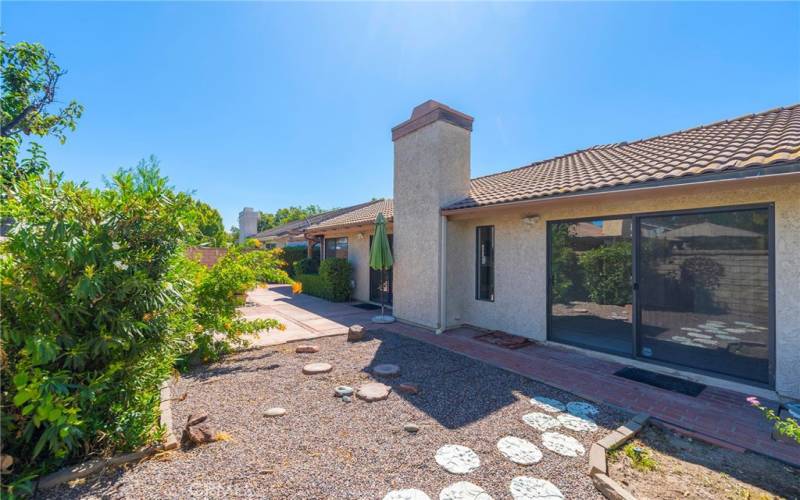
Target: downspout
442,275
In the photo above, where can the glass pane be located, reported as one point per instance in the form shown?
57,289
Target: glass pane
704,291
591,292
485,257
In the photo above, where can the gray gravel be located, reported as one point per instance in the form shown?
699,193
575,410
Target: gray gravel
325,448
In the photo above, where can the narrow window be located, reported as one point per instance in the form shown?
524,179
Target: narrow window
484,269
336,248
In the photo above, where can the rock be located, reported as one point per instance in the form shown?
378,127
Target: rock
562,444
386,370
198,434
530,488
518,450
355,333
343,390
306,349
408,494
373,391
580,310
540,421
315,368
407,388
196,419
412,428
464,490
457,459
275,412
347,399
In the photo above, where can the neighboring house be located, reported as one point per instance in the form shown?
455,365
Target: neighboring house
679,252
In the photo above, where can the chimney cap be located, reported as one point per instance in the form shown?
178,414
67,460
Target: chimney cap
428,112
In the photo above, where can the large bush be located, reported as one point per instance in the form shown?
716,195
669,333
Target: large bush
291,255
315,285
336,274
607,273
306,266
268,265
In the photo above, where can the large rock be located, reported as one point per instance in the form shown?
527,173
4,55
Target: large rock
355,333
373,391
306,349
198,434
315,368
275,412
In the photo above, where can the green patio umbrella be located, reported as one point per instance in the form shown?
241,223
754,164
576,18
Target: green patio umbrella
380,259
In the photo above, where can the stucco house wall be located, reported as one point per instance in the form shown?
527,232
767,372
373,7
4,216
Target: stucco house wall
358,256
520,305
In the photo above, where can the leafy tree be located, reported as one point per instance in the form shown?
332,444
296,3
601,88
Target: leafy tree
208,226
30,79
285,215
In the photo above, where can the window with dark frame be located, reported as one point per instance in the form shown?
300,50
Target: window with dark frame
484,263
336,248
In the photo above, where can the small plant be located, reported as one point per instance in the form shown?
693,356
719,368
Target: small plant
785,426
640,457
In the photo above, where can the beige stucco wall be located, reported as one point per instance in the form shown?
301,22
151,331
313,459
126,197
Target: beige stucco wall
431,170
521,274
358,256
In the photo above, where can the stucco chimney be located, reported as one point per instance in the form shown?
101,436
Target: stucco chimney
248,223
431,170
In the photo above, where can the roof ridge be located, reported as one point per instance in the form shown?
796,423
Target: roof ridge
620,144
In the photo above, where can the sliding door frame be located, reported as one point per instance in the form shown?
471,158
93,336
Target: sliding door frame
636,303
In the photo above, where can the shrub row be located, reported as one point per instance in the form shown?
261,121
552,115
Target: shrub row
332,283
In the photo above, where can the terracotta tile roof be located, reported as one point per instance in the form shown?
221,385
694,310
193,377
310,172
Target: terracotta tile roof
755,140
361,214
297,227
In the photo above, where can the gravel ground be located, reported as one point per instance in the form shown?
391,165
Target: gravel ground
325,448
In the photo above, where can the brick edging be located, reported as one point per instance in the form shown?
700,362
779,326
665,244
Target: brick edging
90,467
598,459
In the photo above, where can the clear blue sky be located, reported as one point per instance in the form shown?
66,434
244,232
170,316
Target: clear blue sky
269,105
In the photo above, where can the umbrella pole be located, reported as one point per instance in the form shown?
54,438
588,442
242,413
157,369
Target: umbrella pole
383,291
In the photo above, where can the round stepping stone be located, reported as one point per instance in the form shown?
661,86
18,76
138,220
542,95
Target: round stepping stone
306,349
408,494
343,390
540,421
548,404
563,445
531,488
464,490
457,459
373,391
386,370
518,450
315,368
582,409
577,423
275,412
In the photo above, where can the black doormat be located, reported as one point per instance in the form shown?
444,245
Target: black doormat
662,381
368,307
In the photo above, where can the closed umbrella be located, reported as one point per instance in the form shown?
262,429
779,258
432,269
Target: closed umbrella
380,259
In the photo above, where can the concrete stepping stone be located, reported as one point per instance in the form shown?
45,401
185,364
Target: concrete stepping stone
457,459
386,370
582,409
548,404
464,490
343,390
407,494
540,421
306,349
531,488
736,330
518,450
275,412
316,368
373,391
698,335
563,445
577,423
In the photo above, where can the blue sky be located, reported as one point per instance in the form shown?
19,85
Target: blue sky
269,105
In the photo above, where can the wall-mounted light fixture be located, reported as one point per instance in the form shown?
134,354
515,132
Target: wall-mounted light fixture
530,220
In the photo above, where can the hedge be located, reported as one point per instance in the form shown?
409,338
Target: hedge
314,284
332,283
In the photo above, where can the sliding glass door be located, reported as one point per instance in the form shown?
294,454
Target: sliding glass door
691,289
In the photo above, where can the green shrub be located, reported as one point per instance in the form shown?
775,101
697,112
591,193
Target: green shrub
336,274
607,273
306,266
314,284
292,255
268,265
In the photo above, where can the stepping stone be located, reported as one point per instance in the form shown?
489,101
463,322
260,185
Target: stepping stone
275,412
563,445
540,421
343,390
464,490
412,428
520,451
736,330
531,488
548,404
315,368
306,349
744,323
408,388
698,335
457,459
373,391
408,494
576,423
386,370
582,409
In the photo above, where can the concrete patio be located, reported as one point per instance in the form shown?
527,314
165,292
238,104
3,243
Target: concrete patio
718,416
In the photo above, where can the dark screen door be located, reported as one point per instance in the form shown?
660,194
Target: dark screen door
375,283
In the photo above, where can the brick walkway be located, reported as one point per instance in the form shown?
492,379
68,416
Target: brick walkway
717,415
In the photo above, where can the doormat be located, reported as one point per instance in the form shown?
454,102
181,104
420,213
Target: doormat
662,381
368,307
503,339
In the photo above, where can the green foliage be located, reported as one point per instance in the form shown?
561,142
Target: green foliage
206,224
336,274
292,254
305,266
29,82
607,273
567,274
267,265
284,215
315,285
641,457
788,426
